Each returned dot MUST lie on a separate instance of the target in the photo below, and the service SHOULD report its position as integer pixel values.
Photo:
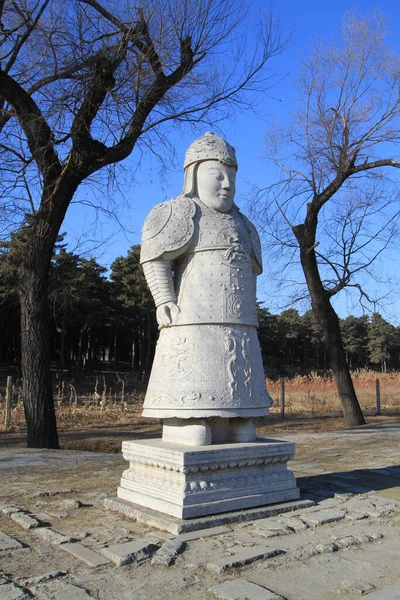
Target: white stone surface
(371, 505)
(240, 589)
(195, 432)
(88, 556)
(8, 543)
(322, 517)
(10, 591)
(269, 528)
(203, 533)
(201, 257)
(24, 520)
(10, 509)
(123, 554)
(29, 581)
(389, 593)
(166, 522)
(166, 555)
(60, 590)
(51, 536)
(244, 558)
(188, 482)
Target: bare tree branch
(341, 140)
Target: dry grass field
(317, 395)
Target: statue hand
(166, 314)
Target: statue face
(216, 184)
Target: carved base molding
(188, 482)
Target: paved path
(58, 542)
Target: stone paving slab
(58, 492)
(335, 502)
(45, 550)
(166, 555)
(51, 536)
(123, 554)
(174, 525)
(8, 543)
(360, 588)
(322, 517)
(60, 590)
(9, 509)
(244, 558)
(294, 523)
(240, 589)
(338, 543)
(373, 506)
(88, 556)
(273, 530)
(24, 520)
(389, 593)
(26, 582)
(9, 591)
(203, 533)
(43, 517)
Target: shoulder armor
(167, 228)
(255, 245)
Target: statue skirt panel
(207, 371)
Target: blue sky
(304, 20)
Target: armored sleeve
(158, 275)
(168, 229)
(255, 246)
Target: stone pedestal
(188, 482)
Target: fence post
(378, 397)
(282, 397)
(8, 401)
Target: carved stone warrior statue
(201, 257)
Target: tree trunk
(32, 250)
(133, 356)
(62, 347)
(37, 390)
(115, 347)
(329, 322)
(80, 344)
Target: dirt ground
(66, 488)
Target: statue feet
(242, 430)
(192, 432)
(202, 432)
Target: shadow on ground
(359, 481)
(95, 439)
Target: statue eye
(215, 173)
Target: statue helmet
(210, 146)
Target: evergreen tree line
(102, 322)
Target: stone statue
(201, 257)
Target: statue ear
(190, 181)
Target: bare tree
(333, 204)
(82, 85)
